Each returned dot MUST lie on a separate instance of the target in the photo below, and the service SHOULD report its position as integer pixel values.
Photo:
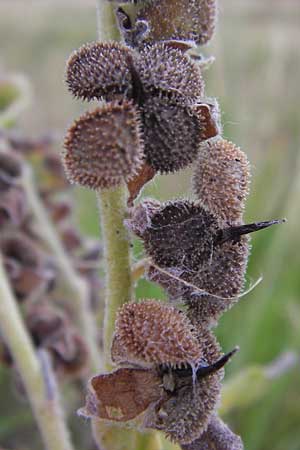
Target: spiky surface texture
(151, 332)
(99, 69)
(181, 235)
(180, 19)
(222, 276)
(104, 147)
(185, 415)
(172, 132)
(221, 179)
(217, 437)
(168, 69)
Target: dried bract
(180, 19)
(99, 69)
(122, 395)
(221, 179)
(104, 147)
(153, 333)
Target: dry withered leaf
(122, 395)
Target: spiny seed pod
(99, 69)
(221, 179)
(150, 333)
(223, 277)
(186, 414)
(180, 19)
(185, 223)
(172, 132)
(104, 147)
(217, 437)
(163, 68)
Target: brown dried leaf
(122, 395)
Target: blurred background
(256, 79)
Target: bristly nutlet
(186, 413)
(221, 179)
(217, 437)
(164, 84)
(178, 401)
(104, 147)
(150, 332)
(207, 269)
(193, 20)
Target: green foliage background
(256, 79)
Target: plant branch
(117, 260)
(77, 285)
(46, 409)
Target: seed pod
(180, 19)
(13, 207)
(104, 147)
(10, 170)
(166, 69)
(181, 222)
(27, 267)
(185, 415)
(221, 179)
(150, 333)
(223, 277)
(51, 330)
(217, 437)
(172, 131)
(99, 69)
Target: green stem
(117, 260)
(77, 285)
(46, 408)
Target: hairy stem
(77, 285)
(112, 205)
(43, 399)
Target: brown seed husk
(221, 179)
(218, 436)
(213, 288)
(99, 69)
(180, 19)
(167, 69)
(151, 332)
(186, 413)
(104, 147)
(172, 132)
(181, 235)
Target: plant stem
(77, 284)
(46, 408)
(117, 260)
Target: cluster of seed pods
(30, 265)
(156, 118)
